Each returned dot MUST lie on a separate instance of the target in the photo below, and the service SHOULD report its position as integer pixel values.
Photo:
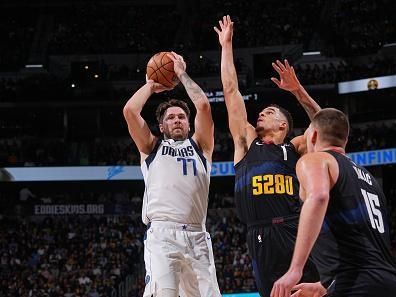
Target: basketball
(160, 70)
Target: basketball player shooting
(176, 169)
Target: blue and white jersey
(177, 177)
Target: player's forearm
(138, 100)
(306, 101)
(194, 91)
(309, 226)
(229, 77)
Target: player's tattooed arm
(204, 126)
(194, 91)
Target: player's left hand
(309, 290)
(179, 66)
(226, 30)
(283, 286)
(288, 78)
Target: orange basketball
(160, 70)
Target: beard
(177, 137)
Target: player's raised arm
(137, 126)
(241, 130)
(288, 81)
(204, 127)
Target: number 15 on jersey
(374, 211)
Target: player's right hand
(225, 31)
(283, 286)
(156, 87)
(288, 78)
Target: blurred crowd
(36, 151)
(374, 136)
(347, 30)
(56, 152)
(68, 257)
(17, 30)
(329, 73)
(46, 87)
(96, 28)
(361, 27)
(88, 256)
(260, 23)
(341, 28)
(93, 28)
(233, 263)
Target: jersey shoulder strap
(153, 153)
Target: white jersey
(177, 176)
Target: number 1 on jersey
(184, 163)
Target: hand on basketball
(225, 31)
(288, 78)
(283, 286)
(156, 87)
(179, 65)
(309, 290)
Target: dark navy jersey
(266, 185)
(357, 218)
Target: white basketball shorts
(179, 257)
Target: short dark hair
(288, 116)
(333, 126)
(161, 109)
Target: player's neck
(170, 138)
(334, 148)
(272, 138)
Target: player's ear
(161, 127)
(283, 125)
(314, 137)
